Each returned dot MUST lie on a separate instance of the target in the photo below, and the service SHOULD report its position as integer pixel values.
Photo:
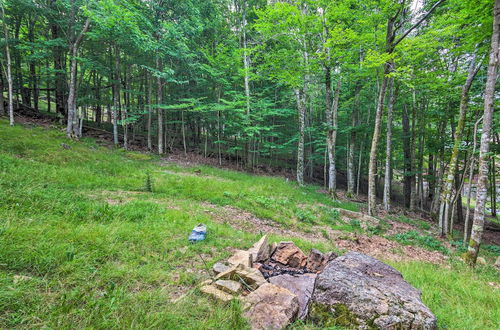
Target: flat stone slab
(219, 267)
(216, 293)
(228, 286)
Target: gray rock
(368, 293)
(219, 267)
(270, 307)
(300, 285)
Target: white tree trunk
(301, 107)
(9, 69)
(482, 183)
(388, 149)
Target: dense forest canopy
(393, 98)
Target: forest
(389, 104)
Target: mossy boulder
(356, 290)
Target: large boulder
(300, 285)
(270, 307)
(356, 290)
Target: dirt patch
(383, 248)
(248, 222)
(374, 246)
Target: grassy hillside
(83, 244)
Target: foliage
(425, 241)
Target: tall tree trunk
(407, 187)
(159, 99)
(447, 194)
(301, 107)
(372, 167)
(72, 128)
(331, 134)
(246, 66)
(352, 142)
(33, 76)
(126, 99)
(472, 166)
(59, 69)
(388, 149)
(413, 193)
(489, 98)
(150, 110)
(9, 69)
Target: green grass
(83, 244)
(413, 237)
(461, 298)
(421, 224)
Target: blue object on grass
(198, 234)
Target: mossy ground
(83, 244)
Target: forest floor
(83, 244)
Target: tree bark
(9, 69)
(372, 167)
(331, 134)
(159, 99)
(150, 110)
(301, 107)
(471, 177)
(388, 148)
(489, 98)
(447, 194)
(73, 127)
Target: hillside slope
(84, 244)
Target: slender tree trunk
(447, 194)
(331, 134)
(9, 69)
(150, 110)
(413, 193)
(246, 65)
(183, 128)
(489, 98)
(352, 143)
(73, 127)
(471, 177)
(2, 101)
(159, 99)
(372, 167)
(32, 66)
(388, 149)
(407, 187)
(116, 95)
(126, 100)
(301, 107)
